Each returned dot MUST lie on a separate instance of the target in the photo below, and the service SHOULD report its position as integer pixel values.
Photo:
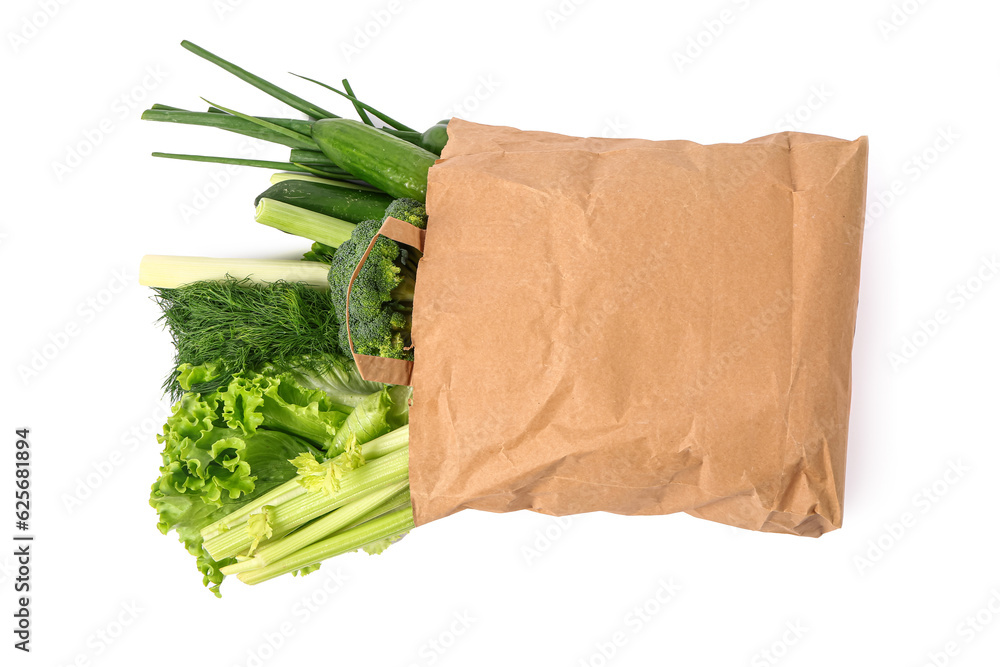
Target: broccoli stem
(404, 290)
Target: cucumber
(435, 137)
(313, 159)
(344, 203)
(389, 163)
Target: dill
(245, 326)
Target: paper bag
(637, 327)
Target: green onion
(292, 100)
(375, 112)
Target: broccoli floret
(382, 297)
(408, 210)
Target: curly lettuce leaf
(336, 376)
(280, 403)
(376, 415)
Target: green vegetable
(235, 124)
(303, 222)
(338, 202)
(244, 326)
(391, 164)
(281, 177)
(240, 471)
(435, 137)
(211, 465)
(382, 296)
(288, 98)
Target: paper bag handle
(382, 369)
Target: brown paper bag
(637, 327)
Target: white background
(532, 590)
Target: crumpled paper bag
(637, 327)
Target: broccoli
(382, 297)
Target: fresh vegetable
(391, 164)
(211, 461)
(382, 295)
(337, 202)
(292, 446)
(303, 222)
(435, 137)
(244, 326)
(278, 454)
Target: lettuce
(230, 446)
(226, 448)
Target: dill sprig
(245, 326)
